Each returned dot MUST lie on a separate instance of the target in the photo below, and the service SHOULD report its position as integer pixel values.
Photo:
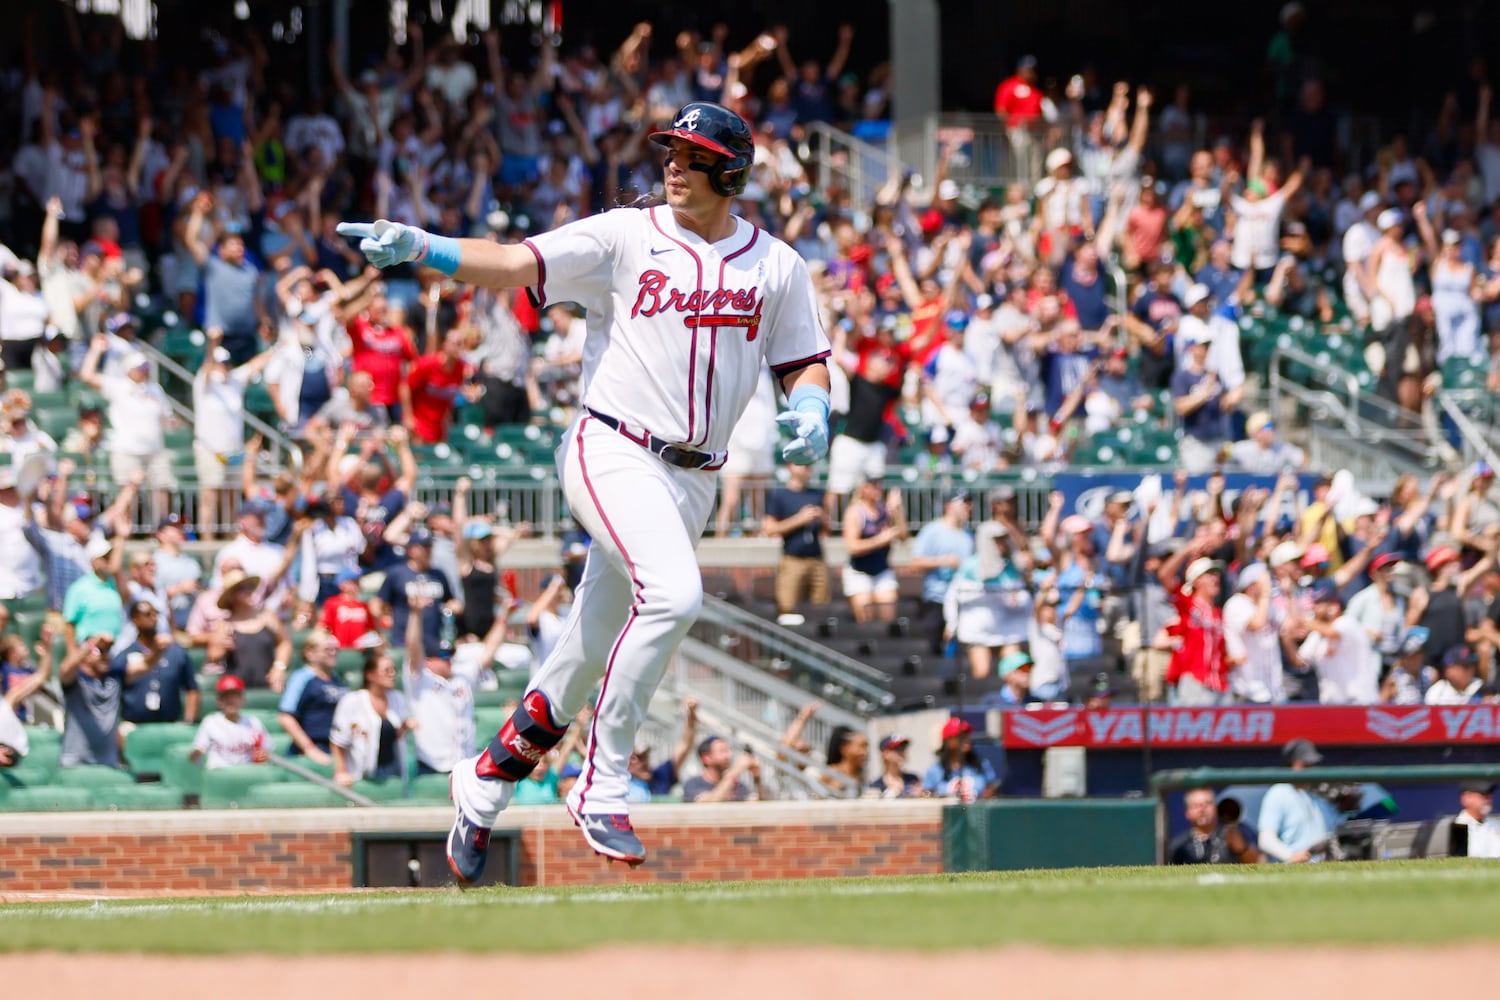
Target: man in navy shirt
(168, 690)
(1067, 363)
(415, 577)
(1201, 402)
(795, 514)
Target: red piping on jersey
(635, 610)
(539, 296)
(693, 344)
(792, 366)
(713, 342)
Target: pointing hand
(811, 436)
(385, 243)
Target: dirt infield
(755, 974)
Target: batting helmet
(716, 128)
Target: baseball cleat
(468, 847)
(611, 836)
(477, 804)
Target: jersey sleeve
(797, 338)
(576, 262)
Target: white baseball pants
(640, 593)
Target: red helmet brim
(663, 138)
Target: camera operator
(1294, 825)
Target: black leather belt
(672, 454)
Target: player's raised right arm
(477, 262)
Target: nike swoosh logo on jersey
(655, 251)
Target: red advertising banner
(1248, 726)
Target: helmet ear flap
(729, 177)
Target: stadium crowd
(973, 331)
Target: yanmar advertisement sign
(1249, 726)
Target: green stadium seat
(92, 776)
(512, 684)
(261, 698)
(427, 789)
(31, 602)
(146, 746)
(351, 661)
(291, 795)
(137, 798)
(487, 721)
(491, 699)
(180, 773)
(37, 769)
(20, 378)
(230, 787)
(387, 791)
(47, 798)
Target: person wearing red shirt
(435, 382)
(382, 347)
(1018, 102)
(344, 614)
(1199, 669)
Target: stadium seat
(146, 746)
(489, 720)
(390, 790)
(427, 789)
(290, 795)
(230, 787)
(47, 798)
(261, 698)
(137, 798)
(180, 773)
(92, 776)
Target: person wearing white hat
(92, 606)
(1192, 326)
(1393, 294)
(1252, 639)
(219, 428)
(1359, 242)
(1201, 400)
(1199, 670)
(1455, 285)
(139, 415)
(1261, 454)
(1063, 198)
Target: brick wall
(302, 850)
(694, 853)
(179, 862)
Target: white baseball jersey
(677, 326)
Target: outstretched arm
(476, 262)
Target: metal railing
(844, 162)
(986, 153)
(279, 449)
(840, 681)
(1346, 419)
(1477, 444)
(751, 708)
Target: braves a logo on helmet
(1396, 727)
(1042, 732)
(689, 120)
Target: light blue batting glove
(808, 421)
(385, 243)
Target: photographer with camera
(1294, 822)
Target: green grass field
(1409, 903)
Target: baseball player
(684, 302)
